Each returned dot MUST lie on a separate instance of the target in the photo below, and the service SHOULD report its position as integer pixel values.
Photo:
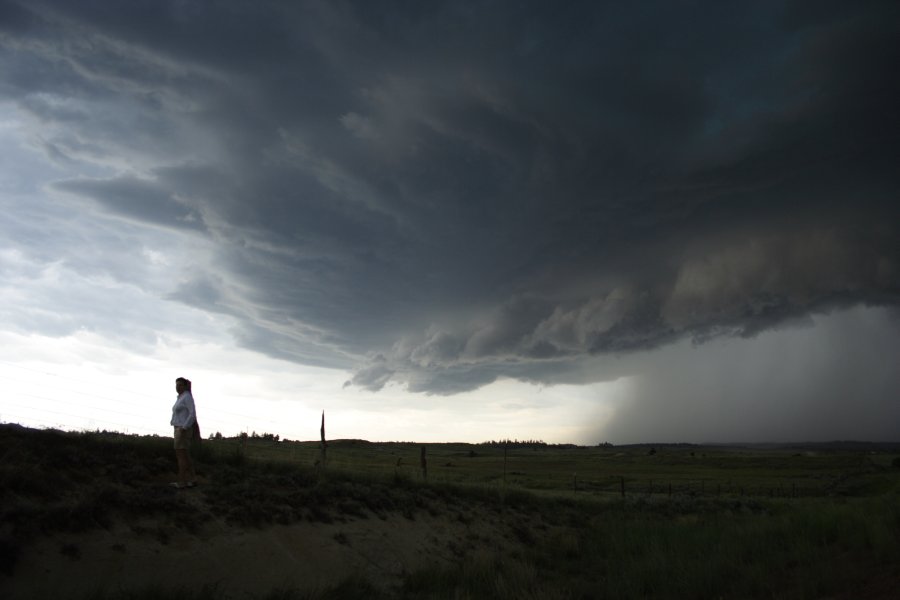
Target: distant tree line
(524, 444)
(515, 443)
(270, 437)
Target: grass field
(794, 521)
(810, 470)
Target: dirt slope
(86, 514)
(245, 561)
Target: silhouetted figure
(184, 419)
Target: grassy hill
(91, 515)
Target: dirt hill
(94, 514)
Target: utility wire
(118, 401)
(210, 414)
(82, 417)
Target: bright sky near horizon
(453, 221)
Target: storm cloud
(446, 194)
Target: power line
(82, 417)
(206, 409)
(206, 419)
(57, 375)
(209, 414)
(40, 384)
(94, 383)
(21, 419)
(109, 410)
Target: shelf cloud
(445, 195)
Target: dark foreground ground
(91, 516)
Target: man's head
(182, 384)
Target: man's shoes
(181, 486)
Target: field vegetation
(540, 521)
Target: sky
(453, 221)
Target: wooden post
(623, 486)
(323, 445)
(424, 465)
(505, 444)
(574, 483)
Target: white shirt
(183, 413)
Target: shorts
(183, 438)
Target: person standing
(184, 417)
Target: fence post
(323, 445)
(424, 465)
(505, 445)
(623, 486)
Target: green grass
(739, 523)
(598, 472)
(775, 551)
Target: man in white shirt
(184, 415)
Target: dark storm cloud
(451, 193)
(135, 199)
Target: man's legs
(185, 467)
